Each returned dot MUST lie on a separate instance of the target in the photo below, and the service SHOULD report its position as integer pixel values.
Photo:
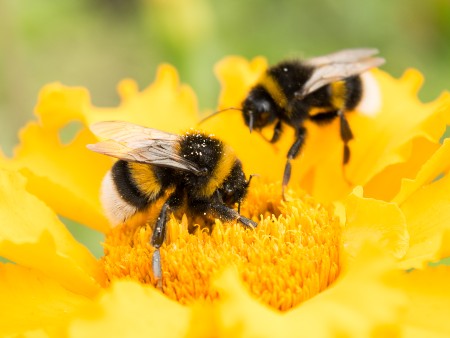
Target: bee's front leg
(220, 211)
(293, 153)
(158, 236)
(276, 132)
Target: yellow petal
(386, 184)
(36, 334)
(66, 177)
(360, 304)
(240, 315)
(30, 301)
(437, 164)
(129, 309)
(427, 213)
(401, 119)
(428, 308)
(445, 245)
(33, 236)
(374, 220)
(236, 75)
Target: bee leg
(276, 132)
(345, 131)
(158, 236)
(324, 117)
(292, 153)
(220, 211)
(246, 184)
(346, 136)
(247, 222)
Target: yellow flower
(324, 263)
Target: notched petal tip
(58, 105)
(127, 88)
(413, 80)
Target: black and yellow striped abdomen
(136, 183)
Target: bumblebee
(193, 170)
(319, 90)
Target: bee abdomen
(120, 195)
(126, 185)
(353, 92)
(117, 210)
(370, 102)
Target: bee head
(234, 188)
(258, 109)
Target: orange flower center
(291, 256)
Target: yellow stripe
(221, 171)
(145, 179)
(274, 89)
(316, 111)
(338, 94)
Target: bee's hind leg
(346, 136)
(344, 131)
(276, 132)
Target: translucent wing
(134, 143)
(337, 66)
(129, 133)
(342, 56)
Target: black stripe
(126, 187)
(354, 92)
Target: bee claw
(156, 267)
(247, 222)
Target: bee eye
(263, 118)
(264, 107)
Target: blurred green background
(96, 43)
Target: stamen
(291, 256)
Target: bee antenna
(246, 185)
(218, 112)
(250, 121)
(250, 178)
